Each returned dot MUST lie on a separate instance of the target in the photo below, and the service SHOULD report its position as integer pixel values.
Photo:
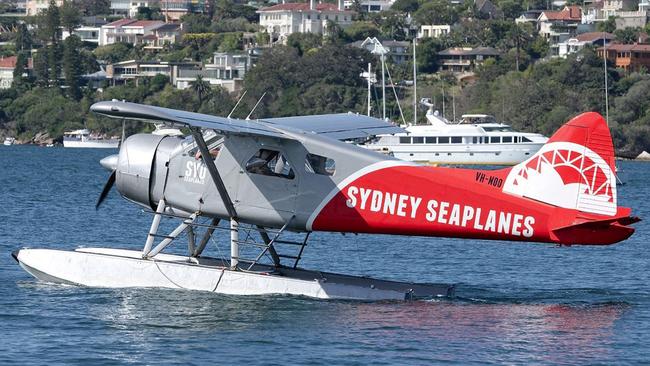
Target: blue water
(516, 303)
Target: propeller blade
(107, 188)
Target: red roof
(144, 23)
(8, 62)
(302, 7)
(593, 36)
(120, 22)
(627, 47)
(568, 13)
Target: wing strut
(218, 182)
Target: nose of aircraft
(110, 162)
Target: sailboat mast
(606, 88)
(415, 86)
(368, 89)
(383, 84)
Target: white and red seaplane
(283, 177)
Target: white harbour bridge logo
(567, 175)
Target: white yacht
(83, 138)
(477, 139)
(9, 141)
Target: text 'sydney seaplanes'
(441, 212)
(275, 181)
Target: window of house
(320, 164)
(270, 163)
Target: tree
(201, 88)
(358, 31)
(93, 7)
(608, 25)
(54, 63)
(427, 50)
(49, 21)
(406, 6)
(23, 39)
(70, 16)
(231, 42)
(436, 12)
(72, 66)
(41, 68)
(518, 37)
(304, 42)
(627, 35)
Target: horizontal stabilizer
(598, 232)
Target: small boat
(9, 141)
(83, 138)
(478, 139)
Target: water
(516, 303)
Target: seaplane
(271, 183)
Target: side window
(270, 162)
(319, 164)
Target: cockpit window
(271, 163)
(320, 164)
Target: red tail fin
(574, 169)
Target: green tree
(436, 12)
(48, 23)
(23, 38)
(201, 88)
(627, 35)
(70, 15)
(112, 53)
(41, 68)
(72, 66)
(54, 52)
(427, 50)
(406, 6)
(304, 42)
(231, 42)
(361, 30)
(608, 25)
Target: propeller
(107, 188)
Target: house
(529, 16)
(129, 8)
(629, 57)
(612, 7)
(578, 42)
(33, 7)
(463, 59)
(433, 31)
(121, 72)
(370, 6)
(559, 26)
(166, 34)
(281, 20)
(397, 51)
(227, 71)
(631, 19)
(7, 66)
(127, 30)
(86, 34)
(173, 10)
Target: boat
(9, 141)
(83, 138)
(478, 139)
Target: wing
(344, 126)
(117, 109)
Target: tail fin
(574, 169)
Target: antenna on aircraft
(255, 107)
(239, 101)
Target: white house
(127, 30)
(7, 66)
(227, 70)
(87, 34)
(575, 44)
(433, 31)
(370, 6)
(281, 20)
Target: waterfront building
(575, 44)
(462, 60)
(127, 30)
(629, 57)
(370, 6)
(433, 31)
